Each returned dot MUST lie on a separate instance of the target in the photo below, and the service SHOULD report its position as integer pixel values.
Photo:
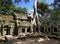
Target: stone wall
(14, 25)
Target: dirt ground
(31, 41)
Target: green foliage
(7, 6)
(21, 10)
(42, 7)
(56, 13)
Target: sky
(29, 5)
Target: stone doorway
(55, 29)
(48, 29)
(23, 30)
(42, 29)
(29, 30)
(7, 30)
(37, 29)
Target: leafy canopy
(7, 6)
(42, 7)
(56, 13)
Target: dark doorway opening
(42, 29)
(7, 29)
(36, 29)
(23, 30)
(15, 31)
(48, 29)
(55, 29)
(29, 29)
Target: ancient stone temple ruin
(15, 24)
(6, 25)
(23, 23)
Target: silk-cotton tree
(36, 18)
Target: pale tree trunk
(35, 7)
(36, 16)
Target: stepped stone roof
(21, 16)
(6, 20)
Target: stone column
(0, 30)
(59, 28)
(26, 30)
(4, 32)
(51, 29)
(0, 33)
(47, 29)
(31, 29)
(11, 30)
(44, 28)
(19, 30)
